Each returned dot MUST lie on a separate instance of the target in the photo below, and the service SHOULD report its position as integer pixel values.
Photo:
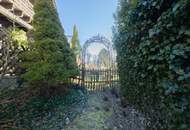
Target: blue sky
(90, 16)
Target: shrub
(12, 43)
(153, 45)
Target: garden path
(105, 112)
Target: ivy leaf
(176, 7)
(187, 32)
(144, 3)
(184, 126)
(143, 75)
(154, 32)
(179, 71)
(154, 3)
(172, 56)
(184, 77)
(181, 78)
(170, 88)
(178, 52)
(150, 67)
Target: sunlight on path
(103, 112)
(93, 117)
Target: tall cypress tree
(75, 43)
(51, 61)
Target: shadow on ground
(105, 112)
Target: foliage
(51, 60)
(20, 37)
(20, 110)
(12, 43)
(75, 45)
(104, 58)
(153, 45)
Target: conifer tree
(51, 61)
(75, 44)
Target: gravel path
(104, 112)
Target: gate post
(83, 67)
(83, 74)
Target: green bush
(38, 111)
(153, 45)
(50, 61)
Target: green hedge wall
(152, 39)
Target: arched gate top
(97, 39)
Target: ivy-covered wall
(153, 45)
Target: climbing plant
(152, 39)
(51, 60)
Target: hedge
(152, 39)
